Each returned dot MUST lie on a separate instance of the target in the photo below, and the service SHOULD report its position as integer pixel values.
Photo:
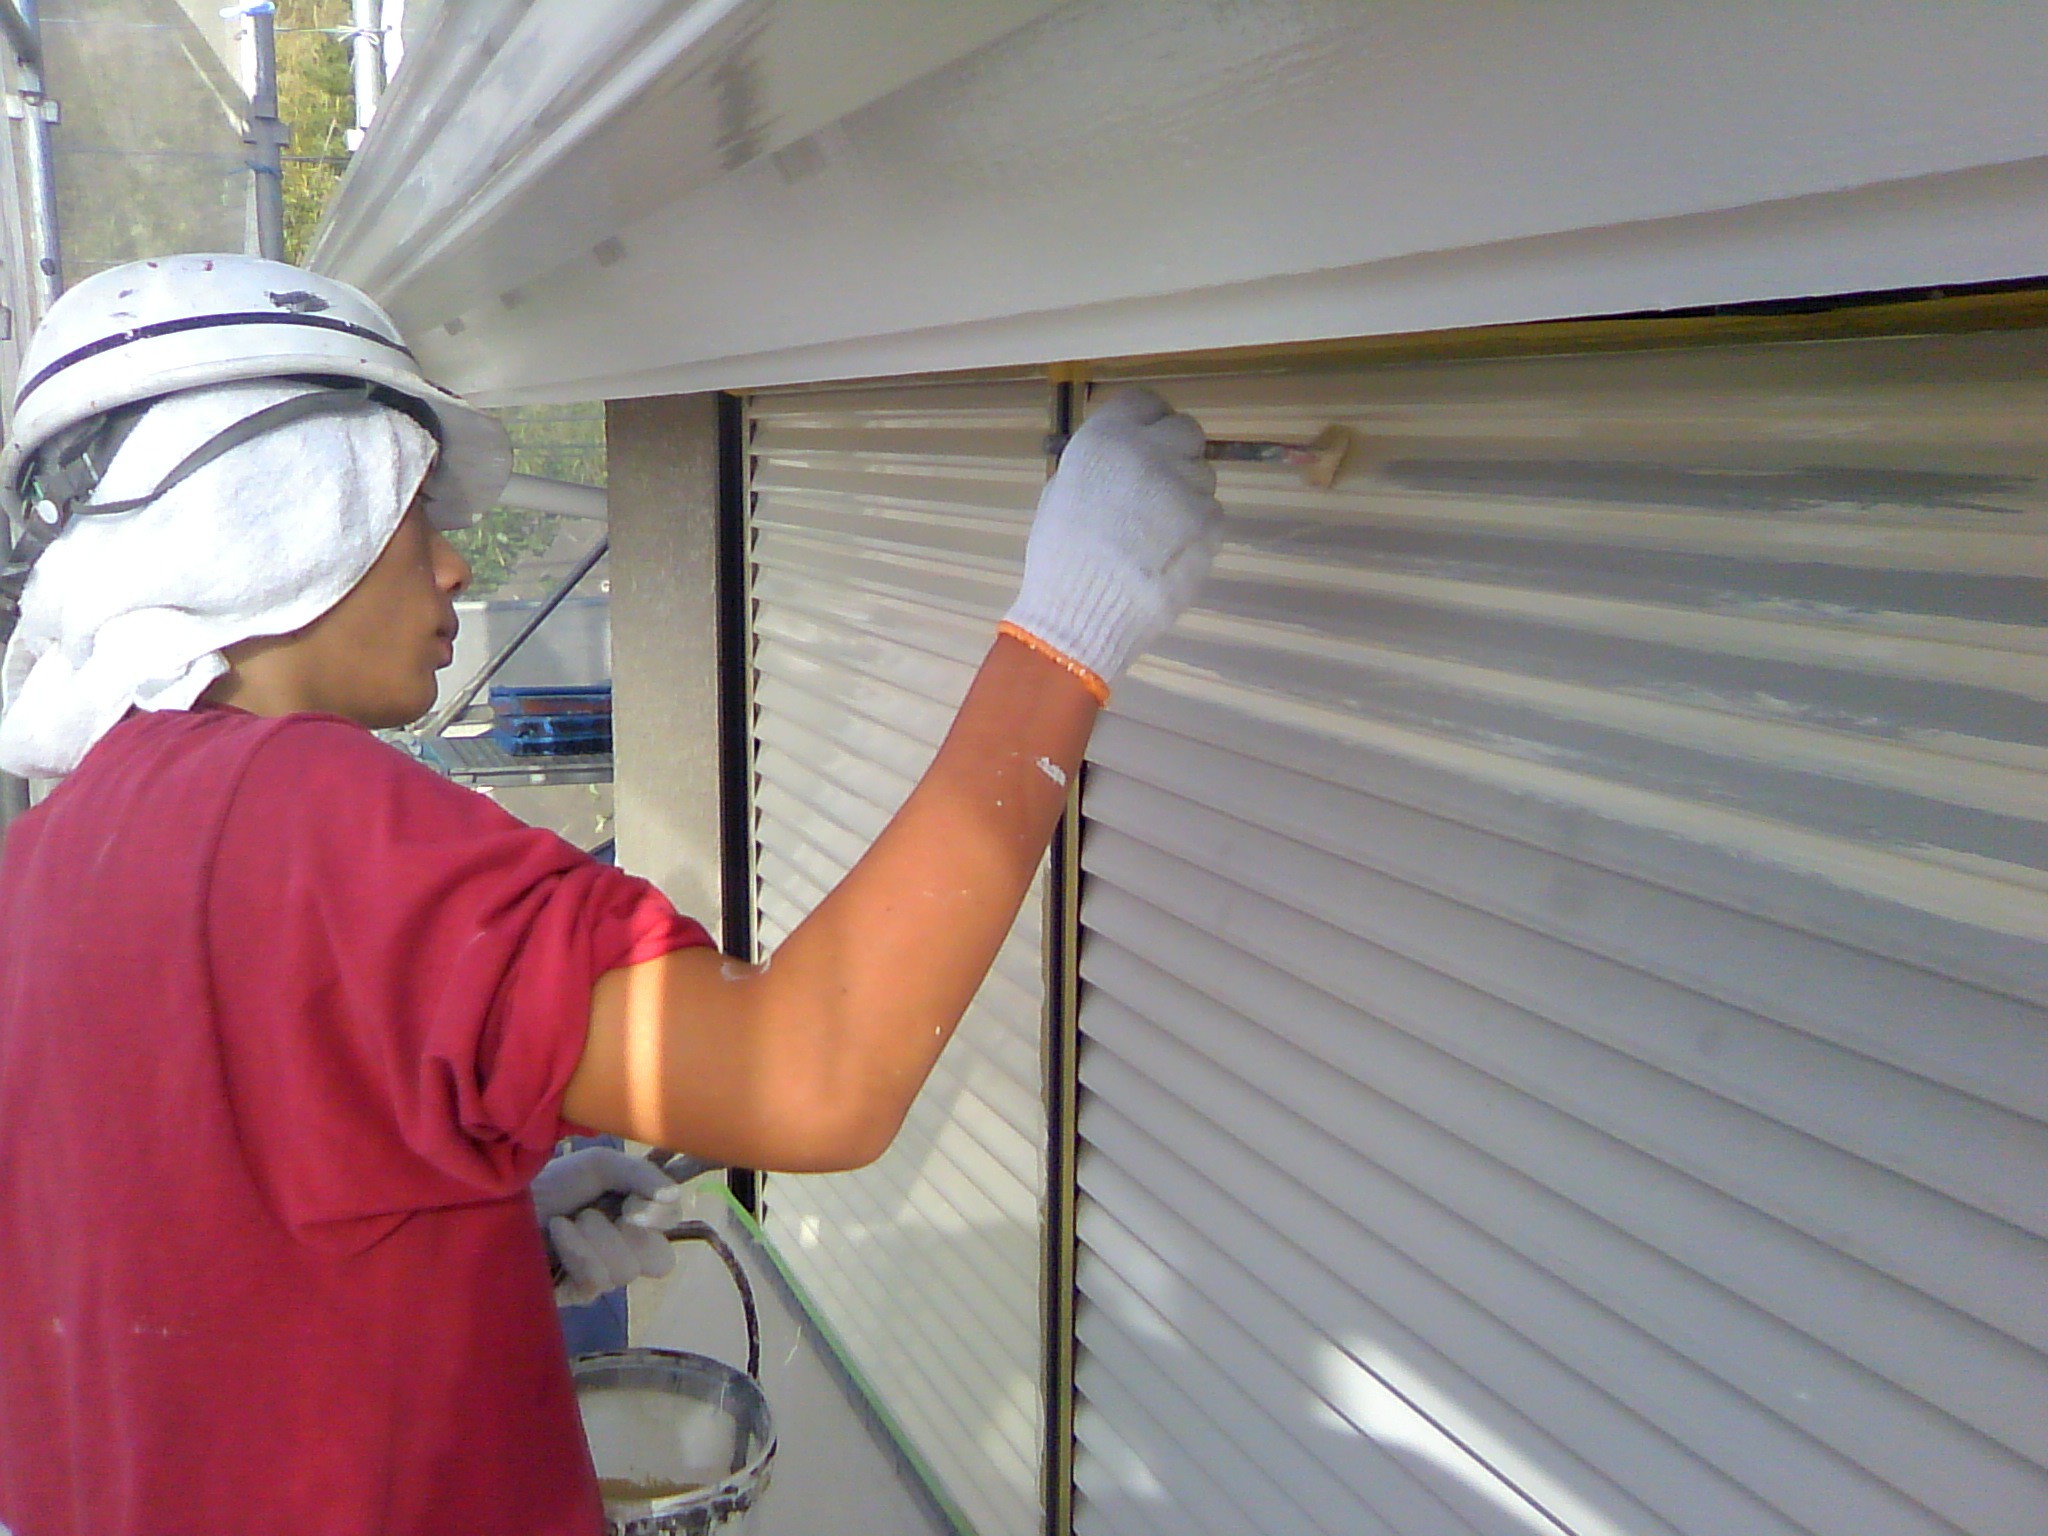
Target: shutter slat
(1565, 947)
(1237, 1490)
(1985, 1044)
(1588, 1271)
(1291, 1034)
(1121, 1496)
(1331, 1471)
(887, 533)
(1976, 1162)
(1436, 1320)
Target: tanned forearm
(812, 1059)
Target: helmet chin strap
(70, 470)
(56, 492)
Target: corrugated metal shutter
(888, 536)
(1565, 1028)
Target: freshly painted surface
(1564, 980)
(574, 202)
(1896, 487)
(888, 537)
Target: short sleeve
(402, 974)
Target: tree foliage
(555, 442)
(316, 100)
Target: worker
(289, 1024)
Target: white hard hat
(147, 329)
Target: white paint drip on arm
(1053, 771)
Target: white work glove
(1124, 535)
(596, 1252)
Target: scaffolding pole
(265, 135)
(21, 36)
(32, 105)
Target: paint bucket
(682, 1443)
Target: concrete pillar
(663, 485)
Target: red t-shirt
(285, 1022)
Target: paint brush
(1318, 459)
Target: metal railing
(463, 697)
(535, 494)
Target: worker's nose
(451, 572)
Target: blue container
(553, 722)
(581, 699)
(547, 736)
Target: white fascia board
(1132, 176)
(1968, 227)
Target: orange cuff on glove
(1087, 679)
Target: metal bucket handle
(683, 1167)
(704, 1232)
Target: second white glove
(596, 1252)
(599, 1255)
(574, 1179)
(1124, 534)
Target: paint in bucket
(682, 1443)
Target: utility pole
(264, 134)
(366, 54)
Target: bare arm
(811, 1062)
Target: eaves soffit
(522, 134)
(566, 201)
